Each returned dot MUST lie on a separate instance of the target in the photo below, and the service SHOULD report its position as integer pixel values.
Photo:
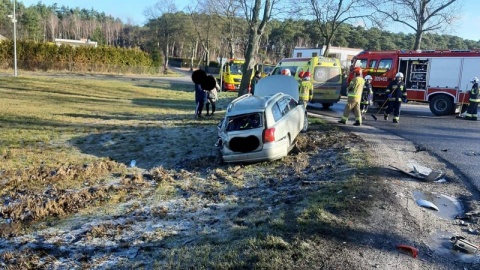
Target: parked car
(263, 126)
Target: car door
(288, 123)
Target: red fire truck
(438, 77)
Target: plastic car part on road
(407, 248)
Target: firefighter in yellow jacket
(305, 94)
(354, 92)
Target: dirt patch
(331, 204)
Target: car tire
(305, 123)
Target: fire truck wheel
(441, 105)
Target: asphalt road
(454, 140)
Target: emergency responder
(366, 96)
(396, 93)
(255, 79)
(474, 100)
(300, 76)
(286, 72)
(305, 89)
(354, 93)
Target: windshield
(236, 68)
(267, 69)
(278, 70)
(327, 74)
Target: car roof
(277, 84)
(247, 104)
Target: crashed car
(263, 126)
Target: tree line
(207, 33)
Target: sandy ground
(399, 220)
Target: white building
(343, 53)
(74, 43)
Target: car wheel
(305, 123)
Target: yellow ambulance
(325, 74)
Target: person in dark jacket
(474, 100)
(396, 93)
(255, 79)
(200, 97)
(367, 95)
(198, 76)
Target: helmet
(286, 72)
(474, 79)
(399, 75)
(306, 76)
(301, 74)
(368, 77)
(357, 70)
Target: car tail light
(269, 135)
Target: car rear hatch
(243, 133)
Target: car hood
(277, 84)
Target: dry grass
(66, 147)
(65, 138)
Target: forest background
(186, 38)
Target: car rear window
(327, 74)
(245, 121)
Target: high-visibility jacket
(474, 93)
(305, 92)
(355, 88)
(397, 90)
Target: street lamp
(14, 20)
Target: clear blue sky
(468, 27)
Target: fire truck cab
(438, 77)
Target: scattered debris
(427, 204)
(408, 248)
(432, 176)
(419, 148)
(471, 153)
(463, 245)
(469, 215)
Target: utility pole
(14, 20)
(14, 40)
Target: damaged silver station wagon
(263, 126)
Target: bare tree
(257, 14)
(203, 24)
(227, 12)
(53, 25)
(162, 24)
(330, 14)
(419, 15)
(76, 25)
